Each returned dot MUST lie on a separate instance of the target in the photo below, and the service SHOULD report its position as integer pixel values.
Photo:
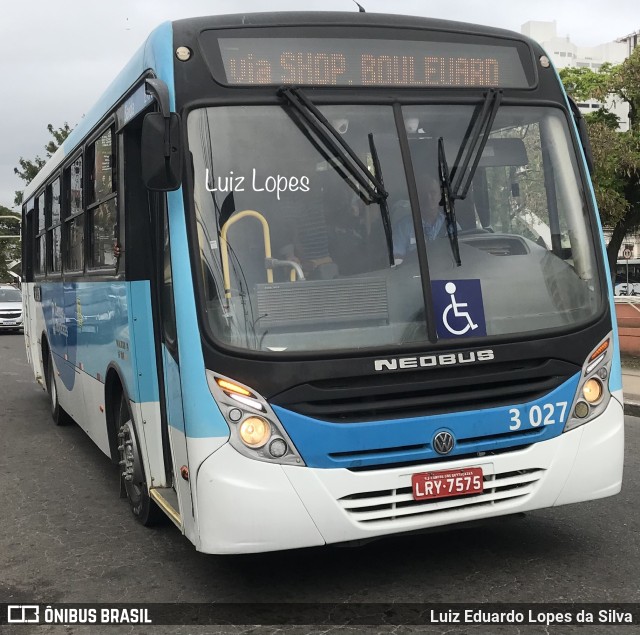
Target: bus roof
(341, 18)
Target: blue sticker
(459, 308)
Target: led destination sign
(370, 62)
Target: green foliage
(616, 174)
(604, 117)
(28, 169)
(583, 83)
(59, 135)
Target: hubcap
(130, 462)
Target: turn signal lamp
(229, 386)
(597, 356)
(255, 432)
(592, 390)
(601, 349)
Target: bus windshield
(294, 256)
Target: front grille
(10, 315)
(398, 504)
(507, 441)
(427, 392)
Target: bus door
(151, 316)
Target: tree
(9, 247)
(28, 169)
(616, 154)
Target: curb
(632, 408)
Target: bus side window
(54, 261)
(73, 214)
(102, 212)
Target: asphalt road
(65, 536)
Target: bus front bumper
(247, 506)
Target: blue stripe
(95, 324)
(330, 445)
(201, 414)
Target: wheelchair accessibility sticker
(459, 308)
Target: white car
(10, 308)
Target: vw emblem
(443, 442)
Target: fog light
(592, 390)
(277, 448)
(255, 432)
(581, 410)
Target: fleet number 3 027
(545, 415)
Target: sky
(57, 57)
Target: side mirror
(161, 150)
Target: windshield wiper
(371, 188)
(455, 186)
(384, 207)
(447, 201)
(472, 146)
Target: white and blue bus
(239, 281)
(627, 280)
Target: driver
(434, 223)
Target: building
(630, 41)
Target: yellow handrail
(224, 248)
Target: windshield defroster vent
(313, 302)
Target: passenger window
(74, 217)
(102, 213)
(54, 233)
(41, 237)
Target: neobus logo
(429, 361)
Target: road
(65, 536)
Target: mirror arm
(158, 89)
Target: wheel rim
(130, 463)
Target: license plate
(8, 322)
(447, 483)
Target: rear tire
(132, 476)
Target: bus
(238, 281)
(627, 277)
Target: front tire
(132, 476)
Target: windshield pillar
(421, 244)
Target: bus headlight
(255, 430)
(592, 390)
(592, 396)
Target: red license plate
(447, 483)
